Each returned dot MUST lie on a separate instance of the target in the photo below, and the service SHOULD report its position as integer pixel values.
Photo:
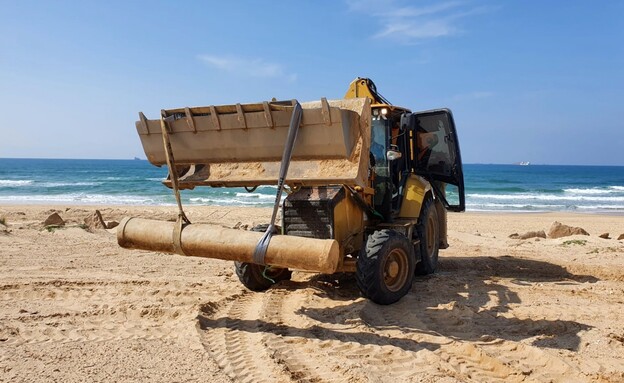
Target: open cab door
(435, 154)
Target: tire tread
(368, 269)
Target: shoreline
(501, 223)
(44, 205)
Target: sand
(75, 307)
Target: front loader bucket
(242, 144)
(211, 241)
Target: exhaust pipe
(212, 241)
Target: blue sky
(538, 81)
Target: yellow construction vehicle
(368, 186)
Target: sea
(489, 188)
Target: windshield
(380, 165)
(378, 147)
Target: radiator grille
(309, 212)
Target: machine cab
(422, 143)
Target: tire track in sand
(233, 335)
(345, 353)
(492, 360)
(63, 311)
(269, 337)
(297, 333)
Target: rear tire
(428, 230)
(385, 267)
(258, 277)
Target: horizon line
(145, 159)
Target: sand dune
(76, 307)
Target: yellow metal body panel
(348, 231)
(359, 89)
(348, 225)
(416, 188)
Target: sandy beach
(76, 307)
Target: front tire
(385, 267)
(428, 230)
(258, 277)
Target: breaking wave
(15, 183)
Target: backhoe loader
(368, 186)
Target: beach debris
(240, 226)
(75, 210)
(604, 236)
(95, 221)
(621, 236)
(579, 242)
(529, 234)
(3, 227)
(54, 219)
(619, 338)
(111, 224)
(558, 230)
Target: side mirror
(392, 155)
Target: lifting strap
(182, 220)
(295, 121)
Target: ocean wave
(227, 201)
(63, 184)
(515, 206)
(15, 183)
(601, 207)
(593, 191)
(256, 195)
(486, 210)
(546, 197)
(519, 208)
(86, 199)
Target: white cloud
(409, 31)
(412, 24)
(248, 67)
(422, 11)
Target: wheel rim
(431, 236)
(395, 270)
